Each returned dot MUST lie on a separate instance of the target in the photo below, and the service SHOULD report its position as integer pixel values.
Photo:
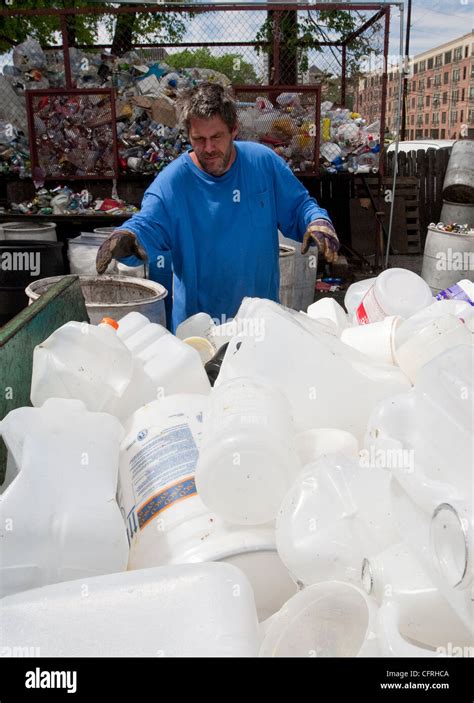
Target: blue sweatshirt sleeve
(151, 226)
(295, 207)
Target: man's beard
(219, 166)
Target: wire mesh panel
(147, 53)
(286, 119)
(72, 133)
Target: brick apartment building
(440, 101)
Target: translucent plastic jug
(335, 512)
(433, 501)
(417, 342)
(396, 575)
(248, 457)
(394, 292)
(167, 523)
(82, 361)
(192, 610)
(329, 309)
(355, 293)
(330, 619)
(327, 383)
(59, 516)
(163, 364)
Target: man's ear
(234, 131)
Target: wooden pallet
(406, 224)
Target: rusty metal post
(67, 61)
(343, 69)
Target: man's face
(212, 142)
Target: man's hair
(204, 101)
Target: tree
(299, 32)
(231, 65)
(124, 29)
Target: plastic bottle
(463, 290)
(60, 496)
(248, 458)
(394, 292)
(87, 362)
(336, 512)
(397, 576)
(185, 610)
(355, 293)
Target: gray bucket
(113, 296)
(462, 213)
(305, 274)
(37, 231)
(458, 186)
(287, 275)
(448, 258)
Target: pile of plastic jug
(282, 484)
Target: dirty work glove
(120, 244)
(323, 234)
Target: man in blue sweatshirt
(217, 209)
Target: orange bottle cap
(109, 321)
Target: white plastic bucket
(38, 231)
(329, 619)
(395, 292)
(376, 340)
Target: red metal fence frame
(30, 94)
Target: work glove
(119, 245)
(323, 234)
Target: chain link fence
(147, 54)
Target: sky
(434, 22)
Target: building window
(458, 53)
(427, 118)
(412, 119)
(413, 103)
(445, 78)
(430, 64)
(448, 56)
(462, 115)
(443, 134)
(454, 116)
(471, 92)
(427, 101)
(454, 96)
(415, 68)
(420, 101)
(438, 60)
(464, 73)
(466, 52)
(443, 117)
(463, 94)
(421, 84)
(436, 100)
(445, 98)
(471, 117)
(437, 80)
(422, 66)
(435, 118)
(472, 70)
(428, 82)
(456, 74)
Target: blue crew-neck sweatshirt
(222, 231)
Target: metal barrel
(462, 213)
(458, 186)
(287, 275)
(448, 258)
